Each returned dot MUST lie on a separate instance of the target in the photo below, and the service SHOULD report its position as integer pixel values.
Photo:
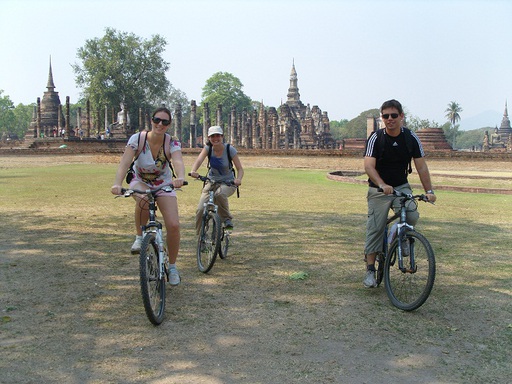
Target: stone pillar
(232, 126)
(177, 122)
(87, 117)
(371, 125)
(206, 122)
(243, 129)
(254, 130)
(218, 117)
(68, 111)
(78, 121)
(193, 126)
(274, 121)
(38, 121)
(59, 119)
(105, 127)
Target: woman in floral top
(151, 152)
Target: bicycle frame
(402, 228)
(153, 225)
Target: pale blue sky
(350, 55)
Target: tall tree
(225, 89)
(122, 67)
(7, 116)
(453, 115)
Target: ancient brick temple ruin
(47, 117)
(292, 126)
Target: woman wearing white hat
(220, 156)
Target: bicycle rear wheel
(152, 286)
(224, 244)
(409, 289)
(208, 243)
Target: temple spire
(293, 91)
(50, 85)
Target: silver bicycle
(153, 258)
(213, 236)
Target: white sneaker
(174, 276)
(136, 245)
(369, 280)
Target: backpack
(230, 160)
(408, 143)
(130, 173)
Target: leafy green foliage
(473, 138)
(223, 88)
(7, 116)
(356, 128)
(14, 121)
(122, 67)
(337, 128)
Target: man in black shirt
(387, 158)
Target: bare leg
(168, 206)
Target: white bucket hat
(216, 129)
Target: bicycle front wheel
(152, 282)
(410, 287)
(224, 244)
(208, 243)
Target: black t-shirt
(393, 162)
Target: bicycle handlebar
(408, 196)
(166, 188)
(206, 178)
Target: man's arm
(371, 171)
(424, 174)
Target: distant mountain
(484, 119)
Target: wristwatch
(430, 192)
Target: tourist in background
(387, 164)
(151, 169)
(220, 170)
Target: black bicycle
(213, 236)
(153, 258)
(407, 264)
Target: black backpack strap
(409, 145)
(232, 168)
(168, 158)
(209, 155)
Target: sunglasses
(393, 115)
(158, 120)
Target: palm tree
(453, 116)
(452, 112)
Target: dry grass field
(71, 310)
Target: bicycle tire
(208, 242)
(151, 284)
(409, 290)
(224, 244)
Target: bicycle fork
(402, 229)
(163, 261)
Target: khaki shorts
(379, 205)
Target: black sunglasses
(393, 116)
(158, 120)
